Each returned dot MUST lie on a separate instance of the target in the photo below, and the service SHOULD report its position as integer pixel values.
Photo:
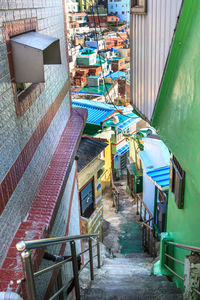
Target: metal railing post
(28, 275)
(91, 259)
(137, 212)
(98, 255)
(140, 210)
(143, 238)
(75, 269)
(60, 284)
(145, 212)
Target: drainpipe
(155, 212)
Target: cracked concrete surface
(122, 232)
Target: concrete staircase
(130, 278)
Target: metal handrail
(175, 259)
(25, 246)
(185, 247)
(196, 291)
(29, 245)
(145, 224)
(181, 246)
(173, 272)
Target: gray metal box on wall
(30, 52)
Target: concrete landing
(122, 232)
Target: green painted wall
(177, 119)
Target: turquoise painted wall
(177, 119)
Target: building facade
(38, 177)
(169, 100)
(119, 8)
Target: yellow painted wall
(94, 224)
(106, 176)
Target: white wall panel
(151, 38)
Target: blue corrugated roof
(97, 111)
(128, 122)
(116, 75)
(160, 177)
(123, 149)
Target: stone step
(132, 280)
(147, 296)
(130, 293)
(142, 255)
(128, 261)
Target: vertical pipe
(91, 259)
(155, 205)
(59, 283)
(75, 269)
(28, 275)
(98, 255)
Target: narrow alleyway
(122, 231)
(126, 271)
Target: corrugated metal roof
(88, 150)
(97, 90)
(116, 75)
(123, 149)
(97, 111)
(160, 177)
(124, 121)
(128, 122)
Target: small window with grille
(139, 7)
(177, 181)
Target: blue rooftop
(116, 75)
(133, 118)
(123, 149)
(160, 177)
(97, 111)
(87, 49)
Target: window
(177, 182)
(99, 173)
(111, 6)
(139, 6)
(87, 199)
(116, 5)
